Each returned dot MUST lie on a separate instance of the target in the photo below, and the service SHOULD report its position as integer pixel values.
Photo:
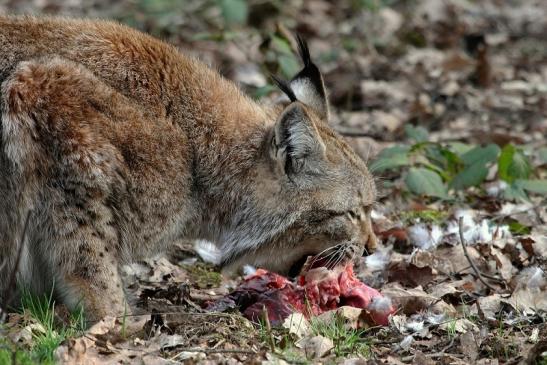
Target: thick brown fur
(118, 145)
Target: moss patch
(203, 275)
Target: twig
(449, 345)
(492, 277)
(442, 353)
(220, 351)
(473, 266)
(432, 355)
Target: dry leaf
(297, 325)
(315, 347)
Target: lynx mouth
(329, 258)
(297, 267)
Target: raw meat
(316, 291)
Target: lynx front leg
(91, 280)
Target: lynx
(114, 145)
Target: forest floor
(447, 102)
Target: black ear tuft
(303, 50)
(285, 87)
(308, 84)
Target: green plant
(10, 355)
(346, 340)
(426, 216)
(451, 328)
(281, 54)
(435, 169)
(49, 334)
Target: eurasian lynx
(116, 145)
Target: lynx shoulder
(114, 145)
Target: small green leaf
(537, 186)
(234, 11)
(288, 64)
(483, 155)
(390, 158)
(418, 134)
(388, 163)
(472, 175)
(422, 181)
(515, 192)
(475, 169)
(433, 152)
(504, 161)
(453, 161)
(459, 148)
(513, 164)
(420, 146)
(281, 45)
(421, 160)
(520, 166)
(517, 228)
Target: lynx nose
(371, 242)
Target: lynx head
(310, 193)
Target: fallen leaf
(315, 347)
(489, 307)
(469, 345)
(297, 324)
(529, 301)
(459, 325)
(447, 288)
(414, 300)
(503, 264)
(409, 274)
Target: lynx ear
(296, 143)
(308, 84)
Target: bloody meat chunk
(316, 291)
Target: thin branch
(492, 277)
(214, 351)
(473, 266)
(220, 351)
